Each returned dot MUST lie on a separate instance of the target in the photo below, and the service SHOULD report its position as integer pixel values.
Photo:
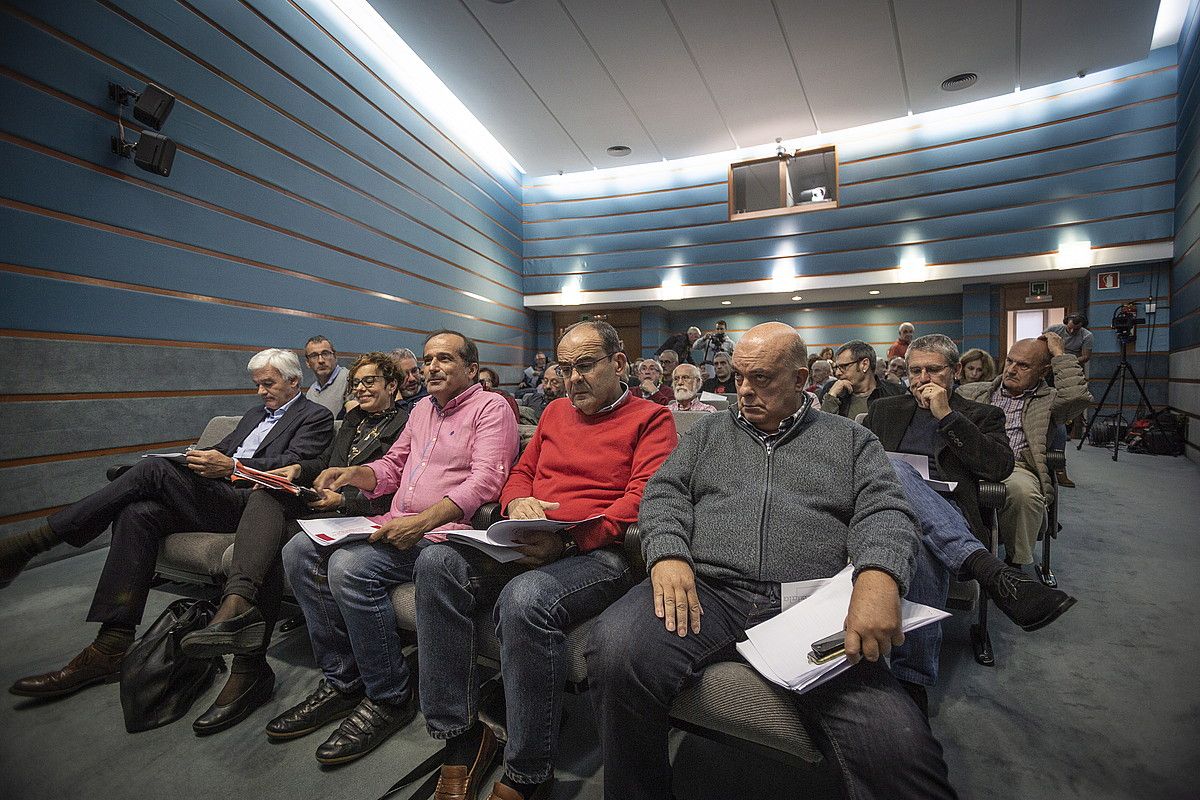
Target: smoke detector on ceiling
(618, 151)
(958, 82)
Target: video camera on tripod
(1125, 321)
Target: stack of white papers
(921, 465)
(778, 648)
(499, 540)
(337, 529)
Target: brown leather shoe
(88, 668)
(502, 792)
(462, 783)
(1063, 480)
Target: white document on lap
(500, 539)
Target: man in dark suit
(965, 443)
(158, 497)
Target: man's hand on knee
(873, 621)
(676, 601)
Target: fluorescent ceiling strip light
(406, 72)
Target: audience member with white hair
(904, 336)
(686, 383)
(650, 386)
(160, 496)
(680, 344)
(820, 377)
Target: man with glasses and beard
(686, 387)
(856, 385)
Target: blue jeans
(345, 594)
(947, 542)
(533, 610)
(864, 722)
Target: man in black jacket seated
(965, 443)
(158, 497)
(855, 386)
(254, 589)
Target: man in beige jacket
(1031, 408)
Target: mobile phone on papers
(827, 649)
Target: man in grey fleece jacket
(772, 491)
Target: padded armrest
(992, 494)
(487, 515)
(633, 552)
(1056, 460)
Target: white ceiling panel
(442, 33)
(940, 38)
(846, 52)
(652, 68)
(541, 40)
(1051, 49)
(746, 63)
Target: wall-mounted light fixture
(152, 152)
(1072, 255)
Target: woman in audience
(977, 366)
(490, 380)
(254, 588)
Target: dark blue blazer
(304, 432)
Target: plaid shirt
(784, 425)
(1014, 414)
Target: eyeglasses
(915, 372)
(320, 355)
(366, 381)
(840, 367)
(583, 367)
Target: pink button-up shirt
(463, 451)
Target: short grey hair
(403, 352)
(610, 340)
(690, 370)
(287, 362)
(938, 343)
(908, 325)
(694, 329)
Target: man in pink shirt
(452, 457)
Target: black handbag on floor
(158, 682)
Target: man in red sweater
(591, 456)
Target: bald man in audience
(774, 492)
(686, 386)
(1031, 406)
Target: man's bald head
(1027, 363)
(770, 368)
(779, 339)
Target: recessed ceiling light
(726, 302)
(797, 297)
(873, 291)
(956, 83)
(618, 151)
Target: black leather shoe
(86, 669)
(218, 718)
(1026, 601)
(238, 635)
(367, 727)
(314, 712)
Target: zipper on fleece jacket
(765, 516)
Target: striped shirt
(1014, 414)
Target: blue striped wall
(1095, 159)
(982, 310)
(833, 324)
(307, 196)
(1149, 353)
(1185, 270)
(655, 329)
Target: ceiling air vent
(618, 151)
(958, 82)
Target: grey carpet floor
(1103, 704)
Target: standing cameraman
(707, 346)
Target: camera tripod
(1121, 370)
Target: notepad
(778, 648)
(921, 465)
(333, 530)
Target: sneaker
(1026, 601)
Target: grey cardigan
(821, 495)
